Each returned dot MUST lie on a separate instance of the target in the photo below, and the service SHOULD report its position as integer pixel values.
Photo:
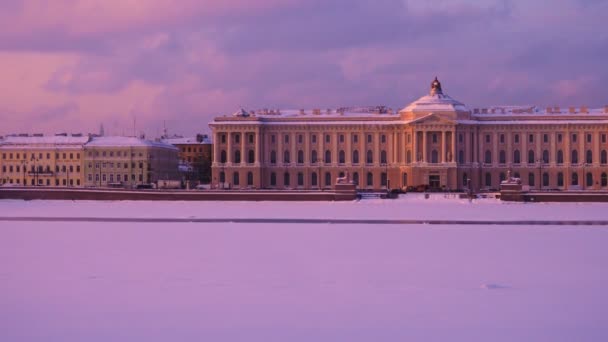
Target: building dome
(435, 103)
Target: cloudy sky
(70, 65)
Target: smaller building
(195, 155)
(127, 162)
(39, 160)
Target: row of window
(559, 157)
(314, 181)
(114, 153)
(189, 149)
(43, 182)
(369, 157)
(117, 165)
(111, 179)
(40, 156)
(300, 138)
(531, 179)
(39, 168)
(531, 137)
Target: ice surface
(66, 281)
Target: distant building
(38, 160)
(127, 162)
(195, 155)
(435, 142)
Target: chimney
(572, 110)
(493, 111)
(484, 110)
(556, 109)
(316, 111)
(475, 110)
(328, 111)
(584, 109)
(549, 110)
(606, 109)
(302, 112)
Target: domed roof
(436, 101)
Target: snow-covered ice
(71, 281)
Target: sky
(141, 65)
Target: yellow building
(37, 160)
(435, 142)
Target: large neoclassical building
(435, 142)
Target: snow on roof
(332, 112)
(435, 103)
(44, 140)
(117, 141)
(187, 140)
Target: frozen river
(223, 281)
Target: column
(280, 137)
(244, 154)
(596, 148)
(524, 146)
(258, 146)
(377, 148)
(348, 137)
(229, 149)
(307, 150)
(424, 155)
(444, 147)
(390, 148)
(334, 154)
(403, 147)
(509, 137)
(216, 148)
(553, 148)
(294, 150)
(415, 146)
(495, 159)
(454, 160)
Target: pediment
(433, 119)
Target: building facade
(38, 160)
(435, 142)
(195, 156)
(127, 162)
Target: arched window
(286, 179)
(300, 179)
(273, 179)
(223, 156)
(237, 156)
(560, 179)
(434, 157)
(300, 157)
(546, 157)
(461, 157)
(313, 179)
(355, 157)
(286, 159)
(516, 157)
(370, 179)
(313, 157)
(574, 159)
(235, 178)
(273, 157)
(545, 179)
(604, 157)
(604, 179)
(251, 157)
(341, 157)
(488, 157)
(222, 177)
(531, 157)
(250, 178)
(589, 179)
(409, 156)
(574, 178)
(488, 179)
(531, 179)
(502, 157)
(327, 179)
(356, 178)
(383, 159)
(589, 157)
(327, 157)
(560, 157)
(370, 157)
